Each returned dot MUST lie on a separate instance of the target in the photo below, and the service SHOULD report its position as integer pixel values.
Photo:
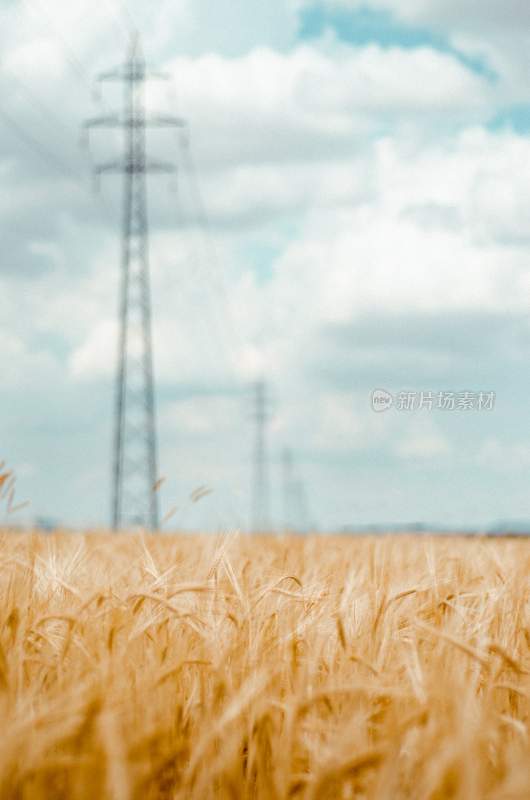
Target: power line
(260, 511)
(70, 55)
(42, 152)
(37, 148)
(47, 156)
(119, 28)
(75, 64)
(197, 223)
(127, 15)
(203, 222)
(198, 265)
(38, 103)
(197, 270)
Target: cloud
(266, 107)
(23, 365)
(423, 444)
(91, 358)
(186, 26)
(503, 456)
(418, 249)
(491, 33)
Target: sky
(365, 173)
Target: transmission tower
(134, 466)
(289, 489)
(296, 515)
(260, 498)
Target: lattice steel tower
(134, 467)
(261, 522)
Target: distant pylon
(134, 465)
(296, 517)
(260, 496)
(289, 490)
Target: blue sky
(365, 169)
(364, 26)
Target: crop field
(206, 667)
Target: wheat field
(205, 667)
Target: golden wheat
(264, 667)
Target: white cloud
(423, 441)
(422, 235)
(95, 357)
(503, 456)
(184, 26)
(24, 365)
(274, 107)
(203, 416)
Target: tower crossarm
(116, 121)
(137, 72)
(150, 166)
(165, 121)
(106, 121)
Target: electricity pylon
(296, 517)
(260, 497)
(289, 489)
(134, 467)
